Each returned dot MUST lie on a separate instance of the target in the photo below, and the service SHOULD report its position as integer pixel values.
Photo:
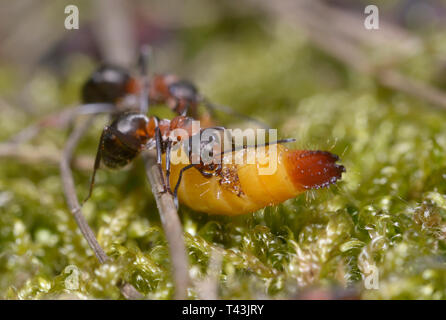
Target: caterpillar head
(313, 169)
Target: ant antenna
(143, 64)
(228, 110)
(239, 148)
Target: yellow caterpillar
(240, 188)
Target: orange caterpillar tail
(242, 188)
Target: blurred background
(309, 68)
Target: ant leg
(206, 174)
(233, 149)
(186, 108)
(59, 119)
(281, 141)
(222, 129)
(177, 185)
(174, 105)
(97, 163)
(168, 148)
(220, 139)
(95, 108)
(73, 203)
(265, 144)
(159, 154)
(70, 192)
(129, 141)
(215, 128)
(144, 59)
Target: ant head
(183, 89)
(182, 122)
(153, 122)
(159, 86)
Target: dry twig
(73, 203)
(70, 191)
(171, 225)
(38, 155)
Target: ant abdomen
(114, 153)
(124, 139)
(107, 85)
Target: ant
(114, 84)
(112, 89)
(130, 133)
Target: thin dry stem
(171, 225)
(69, 190)
(40, 154)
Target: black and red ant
(113, 89)
(115, 85)
(130, 133)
